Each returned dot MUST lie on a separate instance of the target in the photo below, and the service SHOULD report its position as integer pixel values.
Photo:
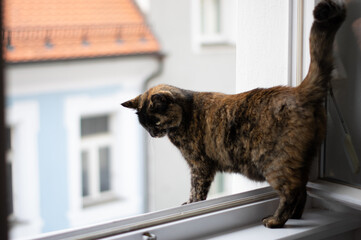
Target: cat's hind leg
(300, 205)
(282, 214)
(291, 189)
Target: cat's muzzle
(157, 133)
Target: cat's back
(258, 118)
(268, 121)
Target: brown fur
(265, 134)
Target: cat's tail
(328, 17)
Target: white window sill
(230, 217)
(219, 45)
(315, 224)
(346, 195)
(216, 42)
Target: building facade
(74, 158)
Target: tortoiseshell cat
(265, 134)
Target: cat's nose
(152, 133)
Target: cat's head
(157, 110)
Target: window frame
(264, 196)
(4, 226)
(255, 204)
(345, 193)
(92, 145)
(172, 215)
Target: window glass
(85, 173)
(104, 169)
(94, 125)
(343, 143)
(210, 17)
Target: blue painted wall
(52, 152)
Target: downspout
(159, 57)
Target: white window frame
(343, 203)
(23, 118)
(128, 198)
(91, 144)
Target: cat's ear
(162, 97)
(133, 103)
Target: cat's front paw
(191, 200)
(272, 222)
(188, 202)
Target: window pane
(94, 125)
(210, 17)
(343, 142)
(218, 16)
(85, 173)
(104, 169)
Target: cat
(265, 134)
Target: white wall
(25, 79)
(262, 44)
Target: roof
(41, 30)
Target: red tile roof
(40, 30)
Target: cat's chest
(191, 147)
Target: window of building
(104, 164)
(210, 18)
(96, 161)
(213, 23)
